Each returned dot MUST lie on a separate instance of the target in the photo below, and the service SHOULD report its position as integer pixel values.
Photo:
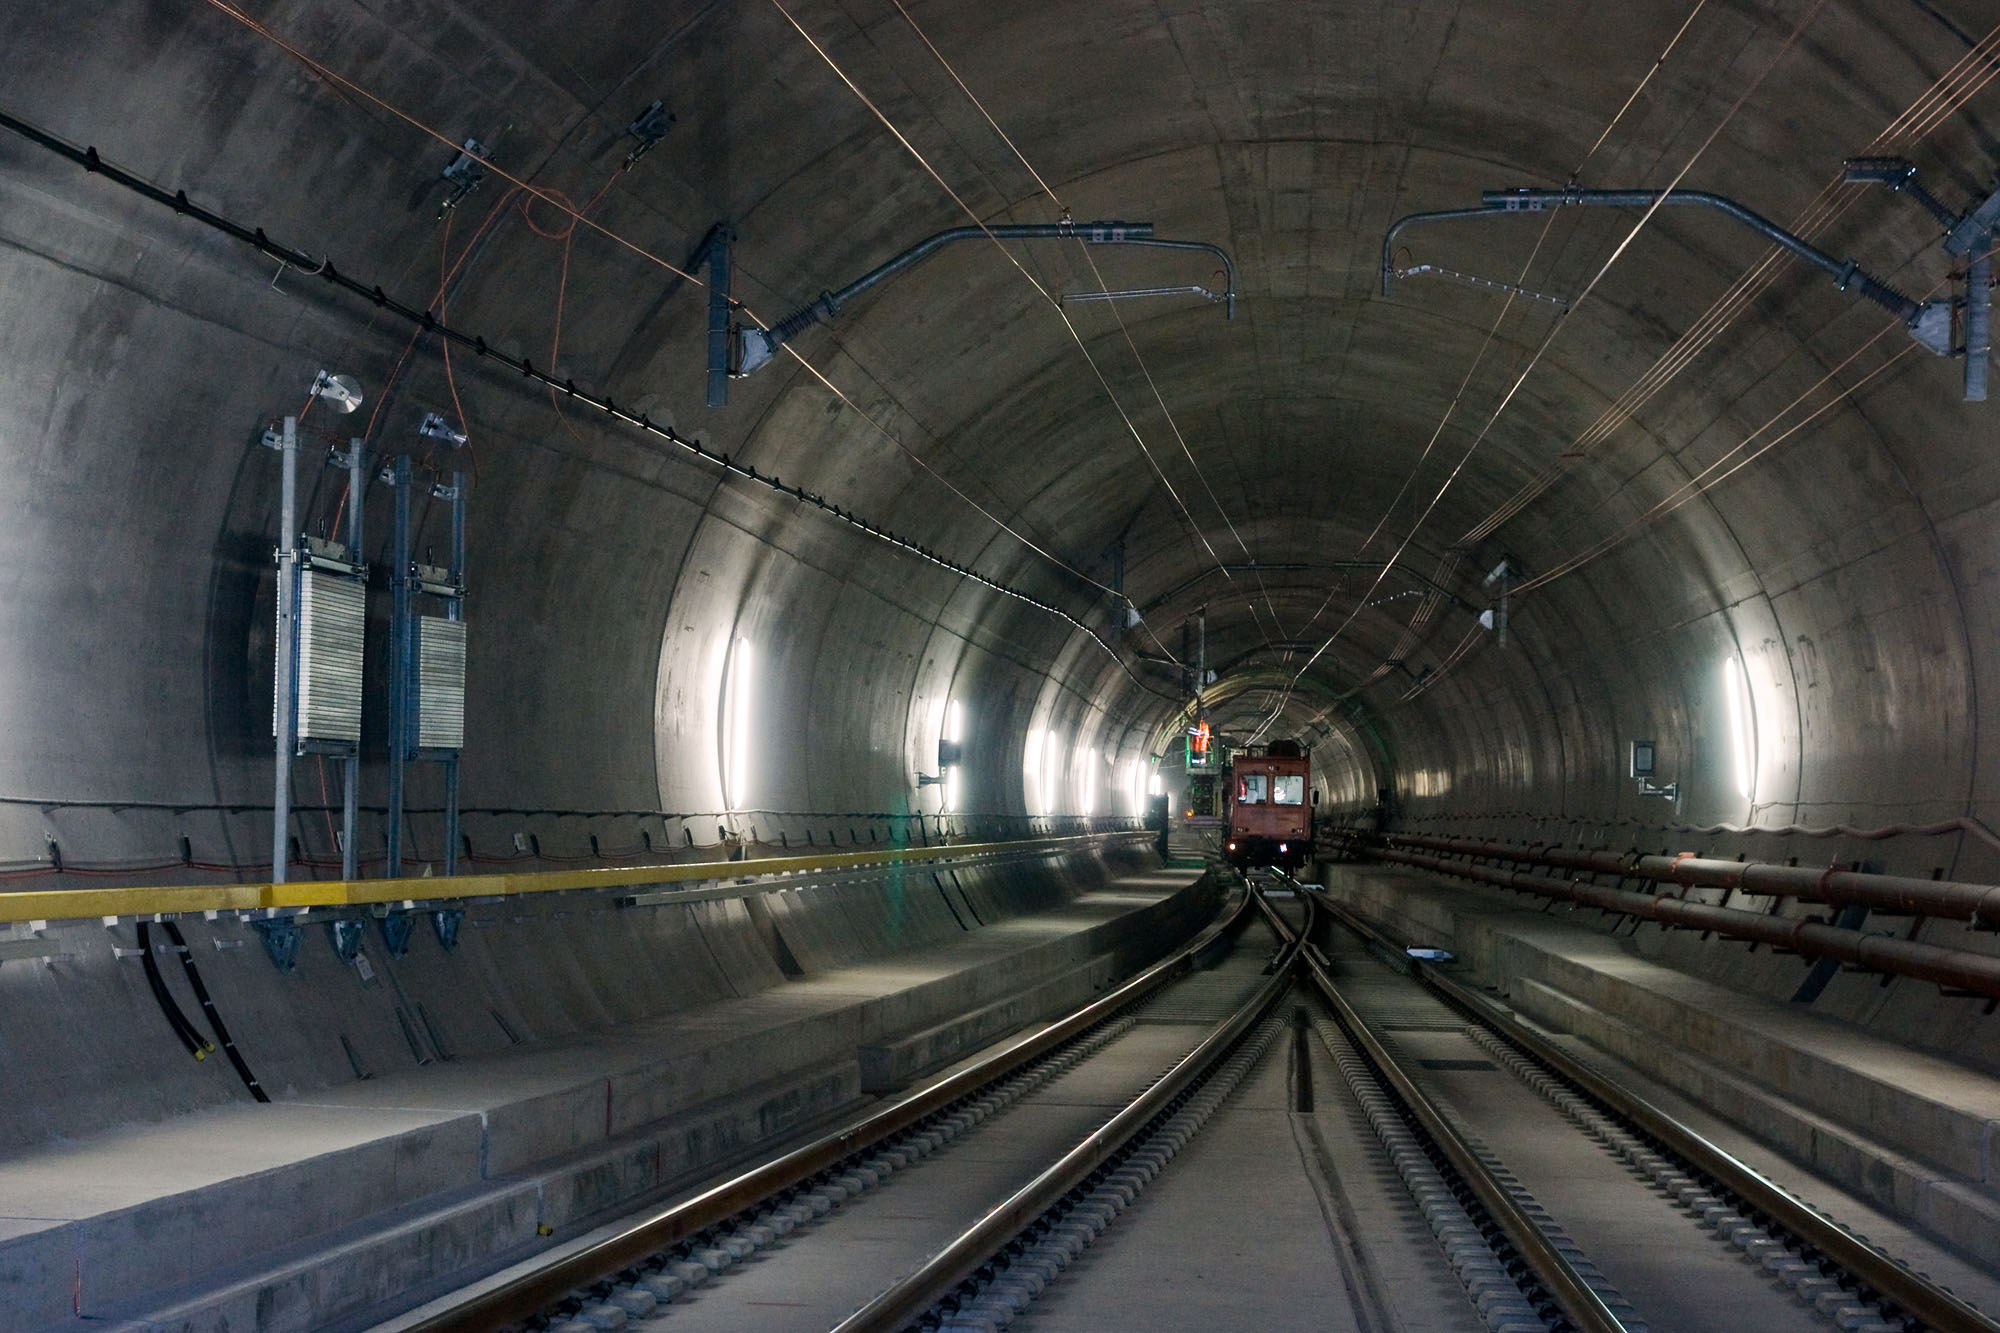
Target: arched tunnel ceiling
(1323, 433)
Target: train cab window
(1290, 790)
(1250, 789)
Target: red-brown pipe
(1977, 903)
(1954, 968)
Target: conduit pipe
(1977, 903)
(1950, 969)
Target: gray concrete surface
(1850, 565)
(1907, 1132)
(496, 1147)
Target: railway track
(1543, 1197)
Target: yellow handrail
(151, 900)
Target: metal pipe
(1845, 274)
(1092, 233)
(1441, 215)
(760, 345)
(285, 723)
(1977, 903)
(1976, 974)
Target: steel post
(401, 649)
(285, 694)
(456, 611)
(350, 777)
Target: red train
(1270, 808)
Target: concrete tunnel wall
(1851, 567)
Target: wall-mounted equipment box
(1644, 764)
(440, 683)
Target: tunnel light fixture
(1031, 772)
(736, 704)
(1156, 786)
(339, 392)
(1742, 727)
(1052, 774)
(953, 735)
(1086, 795)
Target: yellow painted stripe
(80, 904)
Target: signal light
(1232, 846)
(1283, 847)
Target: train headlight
(1232, 846)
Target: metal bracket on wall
(281, 942)
(346, 937)
(465, 173)
(648, 127)
(445, 921)
(1968, 236)
(396, 933)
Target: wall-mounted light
(951, 752)
(736, 703)
(1034, 791)
(1086, 794)
(1742, 727)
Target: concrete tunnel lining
(1850, 567)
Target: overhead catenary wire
(1104, 290)
(325, 269)
(1949, 92)
(1055, 304)
(1428, 606)
(555, 200)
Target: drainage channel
(1753, 1253)
(750, 1231)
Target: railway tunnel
(864, 441)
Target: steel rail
(529, 1294)
(906, 1301)
(1912, 1294)
(150, 900)
(1585, 1308)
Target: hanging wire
(555, 200)
(1053, 303)
(1104, 291)
(1583, 295)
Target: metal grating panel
(440, 683)
(333, 622)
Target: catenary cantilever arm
(1929, 322)
(760, 345)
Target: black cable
(214, 1019)
(177, 1020)
(178, 201)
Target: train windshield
(1250, 789)
(1288, 790)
